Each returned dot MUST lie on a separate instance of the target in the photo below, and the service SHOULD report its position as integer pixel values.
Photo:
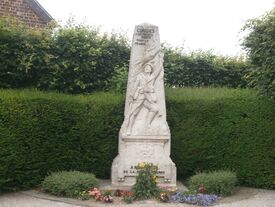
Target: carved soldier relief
(145, 93)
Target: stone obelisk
(144, 135)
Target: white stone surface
(144, 135)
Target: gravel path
(21, 200)
(245, 197)
(264, 198)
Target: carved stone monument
(144, 135)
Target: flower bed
(193, 198)
(146, 187)
(189, 197)
(84, 186)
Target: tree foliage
(24, 54)
(85, 61)
(260, 45)
(77, 58)
(200, 69)
(74, 58)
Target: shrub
(216, 182)
(69, 183)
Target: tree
(260, 45)
(84, 60)
(24, 53)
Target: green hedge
(77, 59)
(211, 129)
(215, 129)
(47, 132)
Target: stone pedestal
(144, 135)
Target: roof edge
(39, 10)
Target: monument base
(138, 149)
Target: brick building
(28, 11)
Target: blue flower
(196, 199)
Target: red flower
(202, 189)
(127, 193)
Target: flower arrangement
(106, 196)
(127, 193)
(146, 181)
(164, 197)
(107, 199)
(169, 195)
(96, 194)
(127, 196)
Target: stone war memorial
(144, 135)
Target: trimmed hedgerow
(69, 183)
(211, 129)
(217, 182)
(214, 129)
(48, 132)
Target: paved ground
(244, 197)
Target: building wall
(20, 10)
